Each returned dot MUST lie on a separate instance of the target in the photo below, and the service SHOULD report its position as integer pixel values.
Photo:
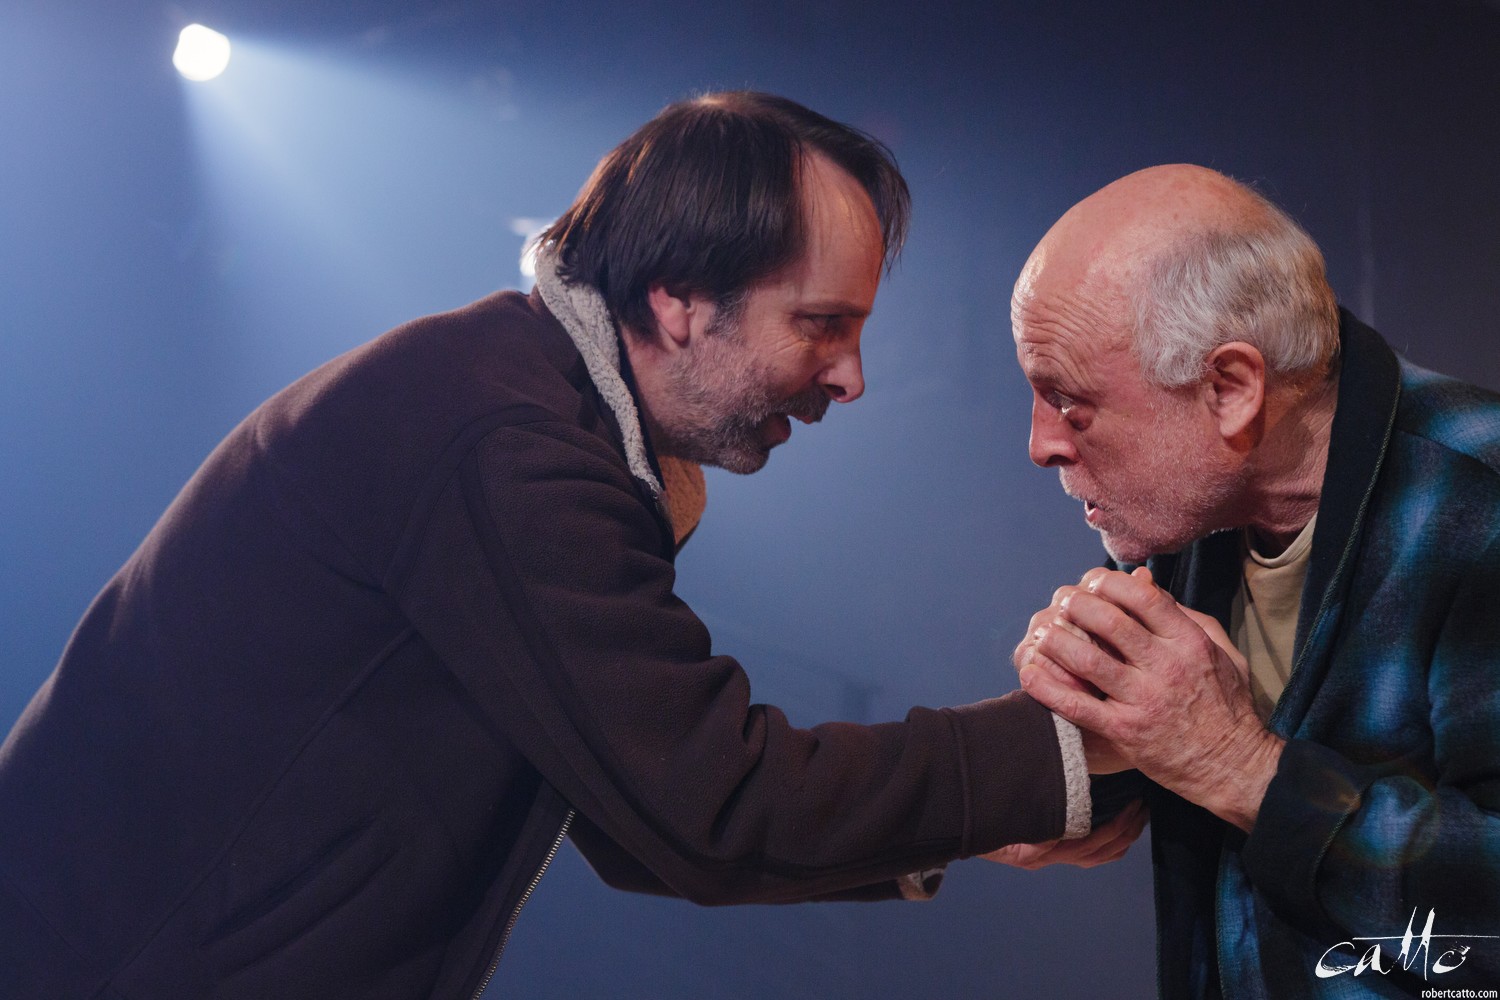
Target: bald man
(1323, 745)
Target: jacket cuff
(1080, 817)
(1015, 787)
(1314, 791)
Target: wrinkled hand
(1176, 702)
(1211, 627)
(1106, 843)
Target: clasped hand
(1154, 686)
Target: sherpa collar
(582, 312)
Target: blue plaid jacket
(1386, 807)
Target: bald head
(1180, 259)
(1178, 334)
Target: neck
(1287, 477)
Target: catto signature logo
(1449, 953)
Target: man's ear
(680, 315)
(1237, 384)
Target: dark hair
(706, 198)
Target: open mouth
(778, 428)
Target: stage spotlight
(528, 230)
(202, 53)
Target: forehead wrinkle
(1099, 375)
(1076, 323)
(1047, 364)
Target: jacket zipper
(515, 914)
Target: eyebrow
(833, 307)
(1043, 373)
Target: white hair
(1262, 283)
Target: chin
(1136, 551)
(741, 463)
(1132, 551)
(1123, 556)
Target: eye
(823, 326)
(1070, 409)
(1064, 404)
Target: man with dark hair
(413, 622)
(1324, 742)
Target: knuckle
(1115, 622)
(1123, 729)
(1202, 647)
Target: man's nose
(843, 378)
(1051, 438)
